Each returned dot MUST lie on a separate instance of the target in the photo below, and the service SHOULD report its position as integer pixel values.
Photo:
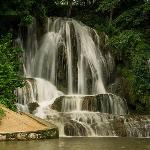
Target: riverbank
(23, 126)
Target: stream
(84, 143)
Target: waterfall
(57, 45)
(65, 70)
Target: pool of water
(79, 144)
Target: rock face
(132, 126)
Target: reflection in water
(79, 144)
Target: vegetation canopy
(10, 78)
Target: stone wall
(36, 135)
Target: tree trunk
(70, 2)
(111, 16)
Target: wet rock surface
(108, 125)
(32, 106)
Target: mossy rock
(32, 106)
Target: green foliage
(2, 113)
(133, 17)
(27, 9)
(108, 29)
(107, 5)
(9, 103)
(10, 78)
(123, 43)
(131, 48)
(26, 20)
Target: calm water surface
(79, 144)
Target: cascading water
(36, 90)
(80, 115)
(68, 57)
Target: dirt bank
(13, 123)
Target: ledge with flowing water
(104, 103)
(97, 115)
(97, 124)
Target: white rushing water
(37, 90)
(68, 57)
(42, 62)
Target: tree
(109, 6)
(70, 3)
(134, 17)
